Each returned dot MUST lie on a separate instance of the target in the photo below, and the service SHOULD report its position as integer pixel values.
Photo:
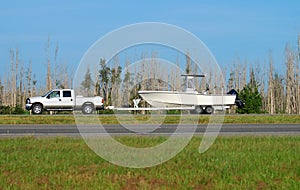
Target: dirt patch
(43, 181)
(130, 182)
(203, 187)
(261, 185)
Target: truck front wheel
(37, 109)
(87, 109)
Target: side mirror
(48, 97)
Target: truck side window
(55, 94)
(67, 94)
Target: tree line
(20, 82)
(261, 86)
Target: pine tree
(252, 99)
(250, 96)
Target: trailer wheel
(209, 110)
(87, 109)
(198, 110)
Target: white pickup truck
(64, 100)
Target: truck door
(67, 101)
(52, 100)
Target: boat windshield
(47, 93)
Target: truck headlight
(27, 101)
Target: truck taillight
(102, 100)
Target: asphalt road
(72, 130)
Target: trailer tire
(198, 110)
(209, 110)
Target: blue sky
(230, 29)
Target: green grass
(143, 119)
(231, 163)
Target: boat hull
(177, 99)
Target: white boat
(202, 102)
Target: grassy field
(138, 119)
(231, 163)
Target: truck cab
(62, 99)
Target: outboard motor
(238, 101)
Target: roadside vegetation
(231, 163)
(148, 119)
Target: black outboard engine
(238, 101)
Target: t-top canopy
(193, 75)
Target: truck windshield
(47, 93)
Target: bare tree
(48, 76)
(87, 84)
(298, 73)
(21, 94)
(58, 71)
(1, 93)
(12, 80)
(231, 80)
(262, 90)
(290, 81)
(237, 74)
(115, 82)
(127, 84)
(104, 76)
(29, 80)
(178, 77)
(34, 83)
(279, 95)
(271, 95)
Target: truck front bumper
(28, 106)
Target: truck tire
(37, 109)
(87, 109)
(209, 110)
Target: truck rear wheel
(37, 109)
(87, 109)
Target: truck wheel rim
(37, 109)
(88, 109)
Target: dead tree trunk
(270, 96)
(290, 99)
(48, 77)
